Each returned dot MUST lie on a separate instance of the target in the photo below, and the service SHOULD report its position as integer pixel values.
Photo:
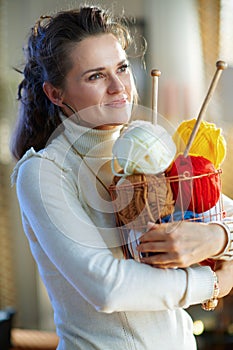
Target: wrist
(226, 253)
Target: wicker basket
(139, 198)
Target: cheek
(87, 97)
(132, 88)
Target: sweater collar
(87, 141)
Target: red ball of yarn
(195, 183)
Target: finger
(165, 266)
(151, 225)
(153, 247)
(161, 266)
(161, 232)
(165, 260)
(153, 235)
(160, 260)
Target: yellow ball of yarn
(208, 142)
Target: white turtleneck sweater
(100, 300)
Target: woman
(76, 94)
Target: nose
(115, 85)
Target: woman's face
(99, 86)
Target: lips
(119, 103)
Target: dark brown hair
(48, 59)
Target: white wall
(22, 15)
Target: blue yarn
(179, 215)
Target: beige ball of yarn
(141, 198)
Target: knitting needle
(155, 73)
(221, 65)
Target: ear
(54, 94)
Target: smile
(117, 103)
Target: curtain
(7, 289)
(209, 19)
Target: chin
(118, 116)
(122, 119)
(110, 125)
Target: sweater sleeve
(228, 205)
(50, 206)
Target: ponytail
(38, 117)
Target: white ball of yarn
(144, 148)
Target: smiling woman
(90, 84)
(63, 67)
(76, 96)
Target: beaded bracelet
(227, 254)
(210, 305)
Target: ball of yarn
(195, 183)
(144, 148)
(180, 216)
(208, 142)
(140, 198)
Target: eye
(123, 68)
(95, 76)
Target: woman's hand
(181, 244)
(224, 272)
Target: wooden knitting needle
(155, 73)
(221, 65)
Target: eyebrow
(97, 69)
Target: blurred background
(185, 38)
